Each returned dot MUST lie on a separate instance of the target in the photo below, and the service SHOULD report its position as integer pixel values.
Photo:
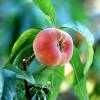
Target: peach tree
(35, 68)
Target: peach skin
(53, 47)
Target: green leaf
(39, 95)
(80, 70)
(88, 38)
(46, 7)
(20, 89)
(56, 80)
(35, 66)
(23, 54)
(79, 78)
(81, 90)
(24, 75)
(20, 76)
(1, 83)
(51, 77)
(84, 31)
(34, 97)
(90, 59)
(77, 65)
(48, 76)
(9, 88)
(23, 41)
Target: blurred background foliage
(16, 16)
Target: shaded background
(16, 16)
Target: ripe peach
(53, 47)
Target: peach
(53, 47)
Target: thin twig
(25, 64)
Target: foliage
(44, 81)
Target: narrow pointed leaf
(1, 83)
(23, 41)
(79, 78)
(46, 7)
(88, 38)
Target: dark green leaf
(21, 74)
(23, 54)
(44, 95)
(51, 77)
(56, 80)
(81, 90)
(9, 88)
(23, 41)
(85, 32)
(35, 66)
(79, 78)
(20, 89)
(77, 65)
(46, 7)
(1, 83)
(88, 39)
(39, 95)
(34, 97)
(48, 76)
